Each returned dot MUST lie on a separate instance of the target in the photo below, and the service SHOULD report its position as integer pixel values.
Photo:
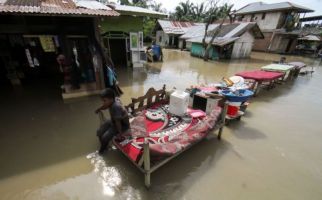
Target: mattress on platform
(277, 67)
(298, 65)
(260, 75)
(166, 134)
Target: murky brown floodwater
(47, 147)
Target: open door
(137, 50)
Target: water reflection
(109, 177)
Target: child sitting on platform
(118, 123)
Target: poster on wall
(47, 43)
(134, 41)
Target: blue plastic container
(238, 96)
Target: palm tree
(183, 11)
(198, 12)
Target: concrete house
(278, 22)
(233, 41)
(168, 32)
(117, 31)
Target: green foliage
(148, 26)
(138, 3)
(148, 22)
(203, 12)
(124, 2)
(187, 11)
(217, 12)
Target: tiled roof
(55, 7)
(264, 7)
(176, 27)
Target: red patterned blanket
(166, 134)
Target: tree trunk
(207, 49)
(204, 37)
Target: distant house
(194, 32)
(116, 33)
(168, 32)
(309, 44)
(313, 25)
(233, 41)
(278, 22)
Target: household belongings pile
(235, 90)
(163, 127)
(271, 74)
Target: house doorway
(289, 45)
(40, 63)
(4, 56)
(118, 52)
(79, 49)
(176, 41)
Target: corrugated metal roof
(245, 26)
(312, 18)
(240, 27)
(310, 38)
(136, 10)
(217, 41)
(230, 32)
(53, 7)
(227, 28)
(198, 30)
(262, 7)
(35, 3)
(95, 5)
(176, 27)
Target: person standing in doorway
(63, 68)
(75, 74)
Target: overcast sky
(313, 4)
(316, 5)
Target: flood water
(47, 146)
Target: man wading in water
(119, 122)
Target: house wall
(180, 44)
(276, 42)
(281, 42)
(162, 38)
(198, 50)
(263, 44)
(243, 46)
(271, 20)
(122, 23)
(268, 25)
(188, 45)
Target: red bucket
(232, 110)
